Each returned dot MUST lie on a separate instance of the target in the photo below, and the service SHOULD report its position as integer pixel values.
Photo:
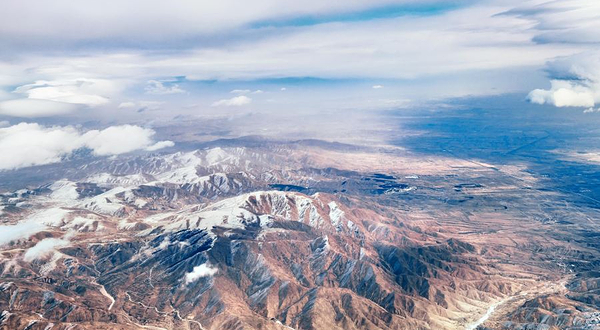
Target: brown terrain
(297, 237)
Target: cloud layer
(110, 58)
(29, 144)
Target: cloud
(240, 91)
(4, 123)
(565, 21)
(208, 42)
(32, 108)
(116, 140)
(160, 145)
(233, 102)
(44, 248)
(78, 91)
(126, 105)
(575, 82)
(591, 110)
(31, 144)
(377, 86)
(159, 88)
(47, 98)
(26, 144)
(198, 272)
(65, 23)
(563, 94)
(246, 91)
(21, 230)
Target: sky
(85, 74)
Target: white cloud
(240, 91)
(377, 86)
(160, 145)
(468, 39)
(31, 144)
(563, 94)
(26, 144)
(126, 105)
(576, 82)
(233, 102)
(198, 272)
(148, 105)
(90, 92)
(65, 22)
(159, 88)
(117, 140)
(565, 21)
(21, 230)
(44, 248)
(32, 108)
(246, 91)
(46, 98)
(591, 110)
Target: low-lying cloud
(44, 248)
(30, 144)
(21, 230)
(203, 270)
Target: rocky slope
(242, 238)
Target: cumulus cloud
(575, 82)
(116, 140)
(563, 94)
(44, 248)
(162, 88)
(233, 102)
(30, 144)
(203, 270)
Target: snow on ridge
(126, 180)
(336, 214)
(64, 190)
(105, 203)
